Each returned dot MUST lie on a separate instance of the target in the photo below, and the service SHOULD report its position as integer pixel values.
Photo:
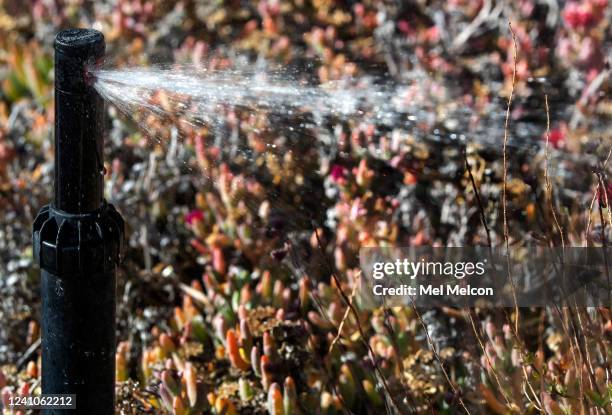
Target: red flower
(586, 14)
(580, 15)
(571, 14)
(194, 216)
(338, 173)
(556, 137)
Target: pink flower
(581, 15)
(359, 9)
(338, 173)
(585, 14)
(194, 216)
(433, 34)
(571, 14)
(405, 27)
(527, 8)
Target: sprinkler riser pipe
(79, 184)
(78, 240)
(78, 357)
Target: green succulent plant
(30, 74)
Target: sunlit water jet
(198, 96)
(422, 107)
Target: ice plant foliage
(281, 138)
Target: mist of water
(198, 97)
(207, 90)
(425, 108)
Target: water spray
(78, 239)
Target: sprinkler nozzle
(79, 112)
(76, 51)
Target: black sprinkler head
(76, 50)
(78, 239)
